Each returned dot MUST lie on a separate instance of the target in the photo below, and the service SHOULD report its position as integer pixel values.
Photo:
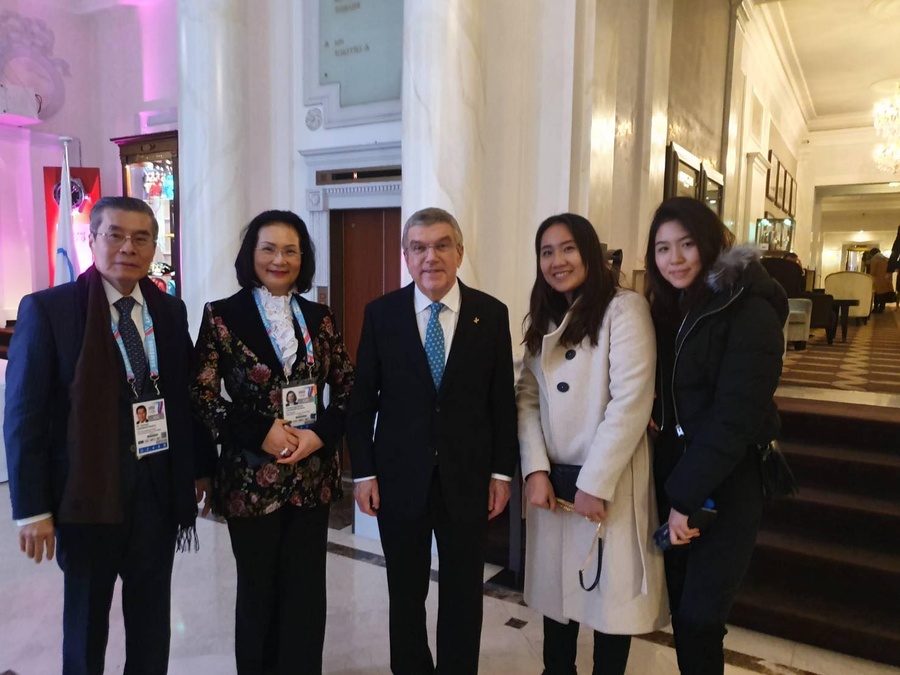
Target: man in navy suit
(435, 366)
(110, 498)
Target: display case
(150, 173)
(775, 234)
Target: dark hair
(596, 292)
(131, 204)
(711, 238)
(243, 264)
(141, 407)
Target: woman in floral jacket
(280, 464)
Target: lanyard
(149, 341)
(298, 315)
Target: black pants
(281, 605)
(561, 649)
(407, 552)
(703, 577)
(141, 551)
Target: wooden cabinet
(150, 172)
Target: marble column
(629, 127)
(212, 138)
(488, 130)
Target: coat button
(570, 354)
(563, 387)
(437, 408)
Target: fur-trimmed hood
(739, 268)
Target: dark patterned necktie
(134, 347)
(434, 343)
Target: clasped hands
(539, 493)
(288, 444)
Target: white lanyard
(149, 341)
(298, 315)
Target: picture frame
(780, 186)
(772, 177)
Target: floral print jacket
(233, 348)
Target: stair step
(872, 473)
(813, 619)
(829, 422)
(848, 575)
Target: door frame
(321, 199)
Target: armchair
(852, 286)
(821, 314)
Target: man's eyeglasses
(441, 248)
(117, 239)
(267, 251)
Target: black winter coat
(717, 380)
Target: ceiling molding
(777, 27)
(843, 137)
(848, 121)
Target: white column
(487, 128)
(212, 140)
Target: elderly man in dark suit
(435, 366)
(114, 499)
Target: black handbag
(562, 479)
(775, 472)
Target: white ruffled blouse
(278, 312)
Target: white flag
(66, 260)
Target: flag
(66, 260)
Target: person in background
(584, 394)
(81, 355)
(719, 319)
(882, 286)
(276, 477)
(435, 366)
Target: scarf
(93, 491)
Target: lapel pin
(475, 320)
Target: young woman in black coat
(719, 318)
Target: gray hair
(132, 204)
(428, 217)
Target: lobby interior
(502, 112)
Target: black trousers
(407, 551)
(281, 603)
(561, 650)
(703, 577)
(141, 551)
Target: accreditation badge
(151, 433)
(299, 404)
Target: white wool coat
(598, 422)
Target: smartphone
(703, 518)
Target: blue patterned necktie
(134, 347)
(434, 344)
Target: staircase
(826, 569)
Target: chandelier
(887, 157)
(886, 117)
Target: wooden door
(365, 264)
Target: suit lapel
(410, 339)
(245, 323)
(464, 335)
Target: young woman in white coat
(584, 395)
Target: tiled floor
(357, 638)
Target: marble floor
(357, 638)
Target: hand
(307, 443)
(35, 537)
(367, 498)
(653, 426)
(679, 532)
(498, 496)
(539, 490)
(591, 507)
(203, 488)
(281, 436)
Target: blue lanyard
(298, 315)
(150, 343)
